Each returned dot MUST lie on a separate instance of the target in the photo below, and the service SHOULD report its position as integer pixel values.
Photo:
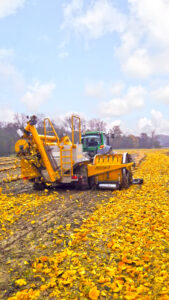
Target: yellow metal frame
(64, 163)
(73, 134)
(40, 140)
(50, 131)
(52, 174)
(108, 167)
(94, 170)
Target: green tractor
(96, 142)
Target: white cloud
(96, 90)
(161, 94)
(153, 16)
(100, 18)
(62, 49)
(6, 115)
(129, 41)
(122, 101)
(145, 125)
(72, 8)
(144, 49)
(8, 7)
(110, 125)
(116, 88)
(6, 54)
(37, 94)
(102, 90)
(143, 31)
(132, 99)
(138, 64)
(69, 114)
(9, 75)
(7, 71)
(157, 123)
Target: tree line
(9, 136)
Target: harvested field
(10, 176)
(67, 244)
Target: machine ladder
(66, 162)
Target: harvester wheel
(82, 184)
(92, 183)
(126, 178)
(39, 186)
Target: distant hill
(163, 139)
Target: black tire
(92, 183)
(125, 179)
(82, 184)
(39, 186)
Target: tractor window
(91, 140)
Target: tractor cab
(95, 142)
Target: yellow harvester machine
(49, 160)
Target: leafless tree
(20, 120)
(96, 125)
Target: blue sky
(106, 59)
